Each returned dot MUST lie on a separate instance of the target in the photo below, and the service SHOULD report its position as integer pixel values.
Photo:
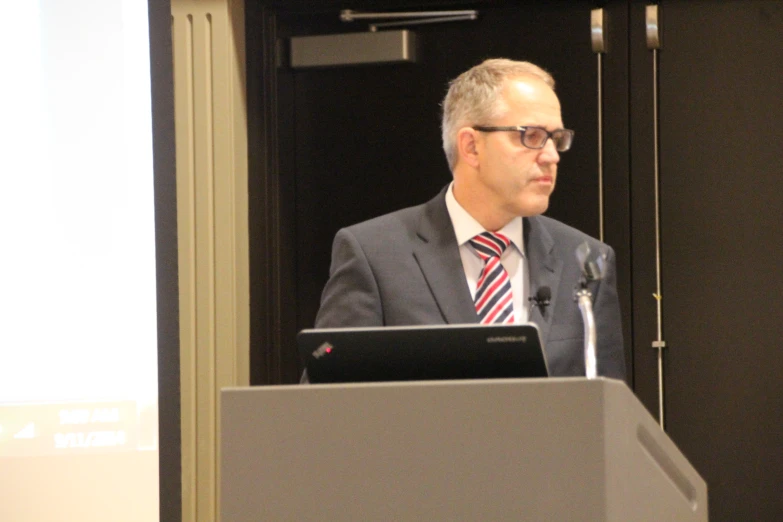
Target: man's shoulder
(391, 219)
(403, 221)
(565, 235)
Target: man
(430, 264)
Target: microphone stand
(591, 271)
(584, 298)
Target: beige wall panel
(212, 191)
(182, 40)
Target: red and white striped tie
(494, 303)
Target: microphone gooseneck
(593, 269)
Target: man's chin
(534, 206)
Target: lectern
(556, 449)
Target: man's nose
(549, 153)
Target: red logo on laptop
(322, 350)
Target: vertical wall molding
(211, 147)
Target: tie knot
(489, 244)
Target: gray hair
(474, 97)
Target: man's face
(514, 180)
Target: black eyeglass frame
(523, 128)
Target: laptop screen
(432, 352)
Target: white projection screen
(78, 333)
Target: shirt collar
(466, 227)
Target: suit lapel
(544, 270)
(437, 254)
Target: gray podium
(535, 449)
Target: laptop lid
(431, 352)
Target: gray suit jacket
(404, 268)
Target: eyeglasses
(535, 137)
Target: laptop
(412, 353)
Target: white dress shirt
(513, 258)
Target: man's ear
(468, 146)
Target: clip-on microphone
(541, 299)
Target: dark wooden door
(721, 202)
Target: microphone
(593, 269)
(541, 299)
